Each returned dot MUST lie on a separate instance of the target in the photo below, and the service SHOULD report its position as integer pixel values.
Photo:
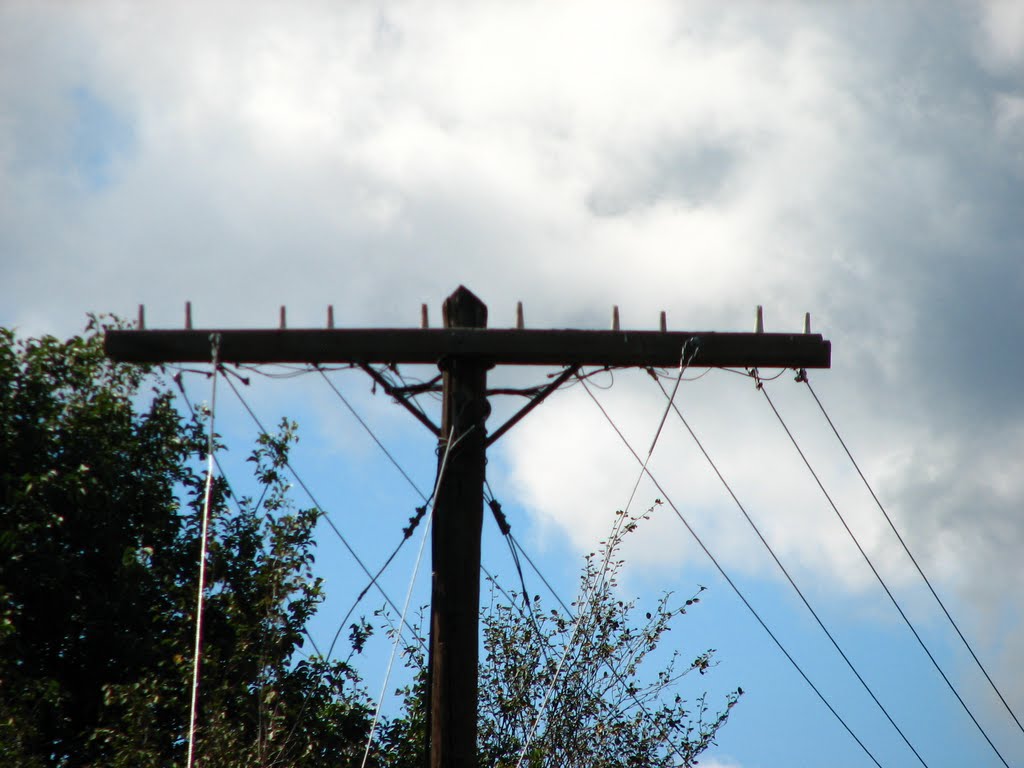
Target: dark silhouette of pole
(458, 520)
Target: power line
(506, 532)
(730, 582)
(449, 445)
(536, 570)
(319, 507)
(413, 521)
(616, 527)
(397, 641)
(546, 643)
(373, 577)
(510, 537)
(407, 534)
(878, 576)
(802, 377)
(792, 583)
(370, 432)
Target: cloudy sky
(863, 162)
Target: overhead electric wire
(408, 479)
(537, 570)
(323, 512)
(803, 378)
(513, 542)
(792, 583)
(220, 468)
(546, 643)
(424, 497)
(449, 445)
(373, 577)
(661, 373)
(420, 386)
(584, 376)
(506, 531)
(730, 582)
(362, 594)
(398, 637)
(598, 584)
(227, 483)
(370, 432)
(426, 509)
(878, 576)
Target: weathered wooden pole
(458, 521)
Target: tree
(99, 527)
(564, 692)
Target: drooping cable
(878, 576)
(792, 583)
(229, 492)
(404, 474)
(729, 580)
(397, 639)
(598, 583)
(449, 445)
(207, 492)
(802, 377)
(515, 547)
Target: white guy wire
(215, 357)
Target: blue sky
(861, 162)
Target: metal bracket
(541, 396)
(401, 400)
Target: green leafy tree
(99, 527)
(588, 691)
(586, 694)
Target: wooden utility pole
(464, 350)
(458, 521)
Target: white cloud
(691, 157)
(1002, 41)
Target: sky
(863, 162)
